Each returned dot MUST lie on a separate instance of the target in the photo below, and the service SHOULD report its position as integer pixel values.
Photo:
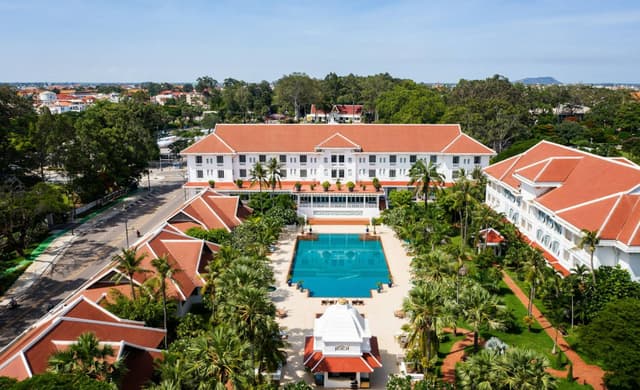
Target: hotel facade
(552, 192)
(348, 157)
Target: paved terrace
(379, 309)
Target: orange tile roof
(372, 138)
(30, 353)
(588, 191)
(348, 109)
(338, 141)
(318, 362)
(211, 210)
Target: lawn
(536, 340)
(564, 384)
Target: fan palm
(422, 175)
(129, 263)
(525, 369)
(480, 309)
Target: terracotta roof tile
(464, 144)
(372, 138)
(338, 141)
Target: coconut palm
(422, 175)
(258, 174)
(436, 265)
(87, 357)
(164, 271)
(463, 203)
(534, 268)
(274, 173)
(129, 263)
(589, 241)
(480, 309)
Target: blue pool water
(340, 265)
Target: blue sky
(428, 41)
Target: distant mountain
(539, 81)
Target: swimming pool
(339, 265)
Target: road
(92, 248)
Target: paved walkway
(455, 355)
(582, 372)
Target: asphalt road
(96, 242)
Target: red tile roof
(348, 109)
(372, 138)
(211, 210)
(30, 353)
(592, 192)
(317, 362)
(491, 236)
(338, 141)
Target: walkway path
(455, 355)
(583, 372)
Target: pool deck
(379, 309)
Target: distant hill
(539, 81)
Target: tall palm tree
(534, 268)
(480, 309)
(274, 173)
(463, 202)
(87, 357)
(422, 175)
(258, 174)
(128, 262)
(424, 305)
(164, 271)
(590, 241)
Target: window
(334, 158)
(283, 158)
(198, 160)
(372, 159)
(243, 173)
(326, 160)
(337, 173)
(455, 174)
(199, 174)
(456, 160)
(220, 160)
(262, 158)
(303, 159)
(341, 159)
(392, 173)
(283, 173)
(303, 173)
(433, 159)
(243, 159)
(220, 174)
(476, 160)
(392, 159)
(372, 173)
(413, 158)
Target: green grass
(536, 339)
(564, 384)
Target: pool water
(340, 265)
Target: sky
(575, 41)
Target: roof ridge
(587, 203)
(452, 142)
(337, 134)
(224, 142)
(610, 214)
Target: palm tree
(164, 271)
(258, 175)
(525, 369)
(217, 359)
(479, 371)
(590, 241)
(436, 265)
(424, 305)
(87, 357)
(534, 268)
(422, 175)
(463, 199)
(274, 173)
(480, 308)
(129, 262)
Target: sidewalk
(582, 372)
(46, 259)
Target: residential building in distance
(346, 113)
(347, 157)
(551, 192)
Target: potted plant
(312, 186)
(363, 186)
(289, 281)
(239, 183)
(350, 186)
(338, 185)
(379, 284)
(376, 184)
(326, 185)
(390, 281)
(300, 284)
(212, 183)
(297, 186)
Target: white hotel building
(551, 192)
(338, 154)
